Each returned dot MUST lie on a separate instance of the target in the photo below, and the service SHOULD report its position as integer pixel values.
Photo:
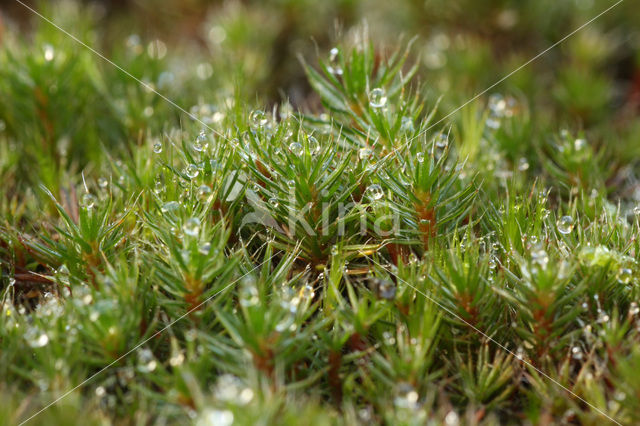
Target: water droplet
(100, 391)
(406, 397)
(540, 256)
(192, 227)
(36, 338)
(291, 183)
(602, 317)
(274, 202)
(492, 262)
(258, 118)
(156, 49)
(576, 352)
(636, 210)
(49, 52)
(296, 148)
(634, 309)
(406, 125)
(159, 184)
(377, 98)
(334, 250)
(385, 289)
(565, 225)
(364, 153)
(191, 171)
(334, 64)
(333, 54)
(88, 201)
(579, 144)
(170, 207)
(211, 417)
(204, 248)
(204, 192)
(452, 419)
(176, 360)
(314, 145)
(497, 104)
(493, 123)
(157, 147)
(420, 157)
(523, 164)
(146, 361)
(201, 143)
(249, 295)
(442, 141)
(103, 182)
(374, 192)
(307, 292)
(624, 275)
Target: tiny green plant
(358, 256)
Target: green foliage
(353, 253)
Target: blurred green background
(202, 54)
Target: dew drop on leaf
(88, 201)
(49, 52)
(146, 361)
(205, 248)
(565, 225)
(406, 125)
(176, 360)
(442, 141)
(624, 275)
(36, 338)
(405, 396)
(333, 54)
(364, 153)
(215, 417)
(579, 144)
(377, 98)
(201, 143)
(258, 118)
(374, 192)
(170, 207)
(540, 257)
(191, 171)
(204, 192)
(296, 148)
(492, 262)
(523, 164)
(576, 352)
(306, 292)
(192, 227)
(492, 123)
(314, 146)
(249, 295)
(334, 64)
